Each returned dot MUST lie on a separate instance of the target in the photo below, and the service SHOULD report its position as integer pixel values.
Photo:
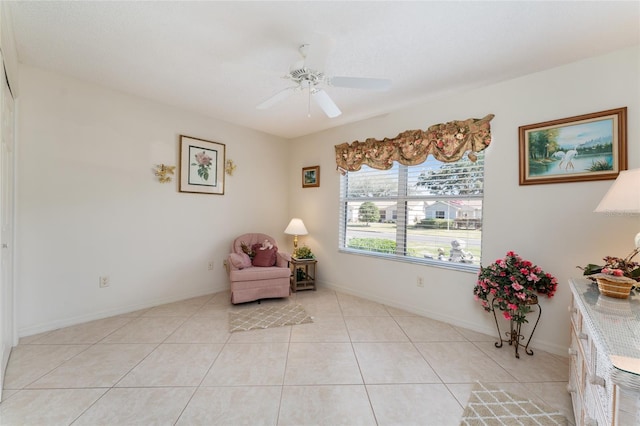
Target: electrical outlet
(104, 281)
(211, 266)
(419, 282)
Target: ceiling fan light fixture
(305, 73)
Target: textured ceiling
(221, 59)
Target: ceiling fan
(307, 74)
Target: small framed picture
(582, 148)
(201, 166)
(310, 176)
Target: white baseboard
(66, 322)
(449, 319)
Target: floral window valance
(446, 142)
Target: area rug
(266, 317)
(491, 406)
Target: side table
(303, 274)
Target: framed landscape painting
(201, 166)
(310, 176)
(582, 148)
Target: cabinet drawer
(593, 412)
(576, 394)
(576, 316)
(603, 388)
(592, 359)
(576, 361)
(578, 412)
(586, 344)
(628, 407)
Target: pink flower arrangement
(614, 272)
(616, 266)
(511, 285)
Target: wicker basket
(620, 289)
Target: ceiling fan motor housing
(306, 75)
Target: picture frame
(311, 177)
(201, 166)
(586, 147)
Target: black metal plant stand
(514, 336)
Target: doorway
(7, 145)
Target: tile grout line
(114, 385)
(227, 342)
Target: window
(428, 213)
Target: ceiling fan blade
(278, 97)
(326, 103)
(317, 51)
(379, 84)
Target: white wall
(551, 225)
(88, 203)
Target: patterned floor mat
(490, 406)
(266, 317)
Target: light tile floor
(358, 363)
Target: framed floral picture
(201, 166)
(581, 148)
(310, 176)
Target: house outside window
(436, 211)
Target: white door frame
(8, 336)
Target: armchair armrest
(282, 259)
(236, 262)
(228, 264)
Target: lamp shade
(623, 198)
(296, 227)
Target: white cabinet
(604, 380)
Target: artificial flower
(511, 285)
(616, 266)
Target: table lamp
(296, 227)
(623, 198)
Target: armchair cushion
(264, 257)
(258, 274)
(240, 260)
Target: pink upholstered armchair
(250, 282)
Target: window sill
(461, 267)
